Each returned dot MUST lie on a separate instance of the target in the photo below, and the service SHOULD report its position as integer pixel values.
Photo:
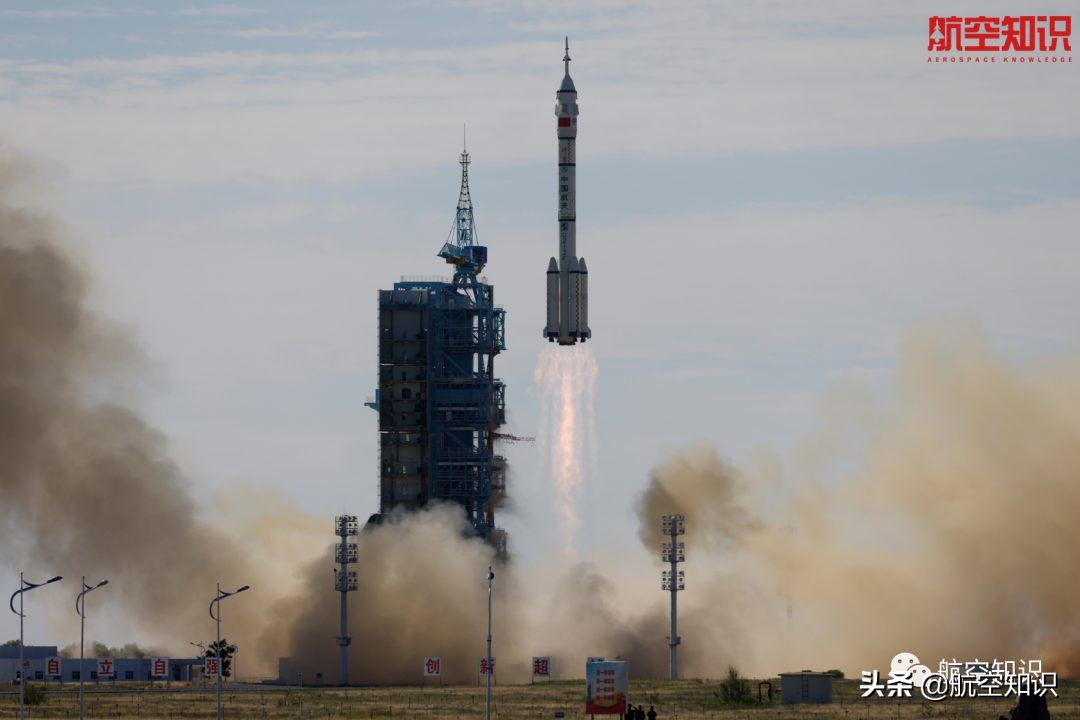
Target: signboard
(106, 667)
(486, 669)
(542, 667)
(594, 659)
(210, 666)
(607, 686)
(159, 667)
(52, 666)
(432, 666)
(25, 664)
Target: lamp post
(490, 577)
(236, 661)
(23, 587)
(80, 607)
(673, 580)
(345, 581)
(203, 656)
(220, 596)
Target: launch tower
(440, 405)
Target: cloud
(351, 35)
(311, 31)
(730, 81)
(220, 11)
(52, 14)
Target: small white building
(806, 686)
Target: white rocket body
(567, 291)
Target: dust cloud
(88, 486)
(422, 592)
(938, 519)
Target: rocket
(567, 276)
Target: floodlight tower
(344, 581)
(673, 580)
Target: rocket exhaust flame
(567, 425)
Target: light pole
(673, 580)
(203, 656)
(220, 596)
(236, 661)
(345, 526)
(23, 587)
(80, 607)
(490, 577)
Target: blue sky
(769, 193)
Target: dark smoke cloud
(95, 649)
(697, 483)
(88, 486)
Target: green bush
(33, 694)
(734, 688)
(838, 674)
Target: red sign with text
(1006, 34)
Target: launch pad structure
(440, 404)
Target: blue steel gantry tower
(440, 405)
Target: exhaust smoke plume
(952, 538)
(88, 486)
(422, 592)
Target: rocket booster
(567, 275)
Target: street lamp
(23, 587)
(80, 607)
(203, 656)
(490, 577)
(220, 596)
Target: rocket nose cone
(553, 267)
(567, 84)
(581, 265)
(574, 267)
